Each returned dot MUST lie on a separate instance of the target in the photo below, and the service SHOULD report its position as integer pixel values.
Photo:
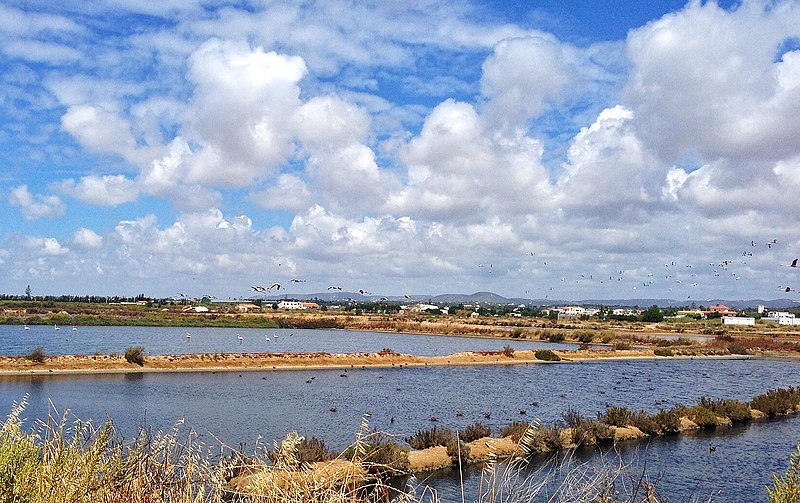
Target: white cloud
(44, 246)
(609, 174)
(289, 193)
(705, 80)
(520, 77)
(241, 109)
(108, 190)
(460, 170)
(34, 206)
(99, 130)
(329, 122)
(87, 238)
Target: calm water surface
(15, 340)
(238, 408)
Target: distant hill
(490, 298)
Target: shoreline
(77, 365)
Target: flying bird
(296, 280)
(258, 288)
(332, 287)
(793, 264)
(275, 286)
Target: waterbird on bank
(240, 338)
(188, 335)
(26, 327)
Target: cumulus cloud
(459, 169)
(520, 77)
(34, 206)
(44, 246)
(108, 190)
(289, 193)
(609, 174)
(242, 105)
(708, 80)
(87, 238)
(99, 130)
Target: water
(15, 340)
(239, 408)
(682, 467)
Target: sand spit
(216, 362)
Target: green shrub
(456, 448)
(516, 333)
(514, 430)
(622, 346)
(786, 488)
(475, 431)
(663, 352)
(384, 456)
(135, 354)
(777, 401)
(431, 437)
(703, 417)
(508, 351)
(668, 421)
(738, 349)
(584, 336)
(313, 450)
(615, 416)
(37, 355)
(556, 337)
(585, 431)
(735, 410)
(583, 346)
(644, 422)
(546, 355)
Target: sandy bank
(95, 364)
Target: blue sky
(572, 150)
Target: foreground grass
(64, 460)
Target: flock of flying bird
(678, 275)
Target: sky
(563, 149)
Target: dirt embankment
(77, 364)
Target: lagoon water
(87, 340)
(241, 407)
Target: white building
(738, 320)
(782, 318)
